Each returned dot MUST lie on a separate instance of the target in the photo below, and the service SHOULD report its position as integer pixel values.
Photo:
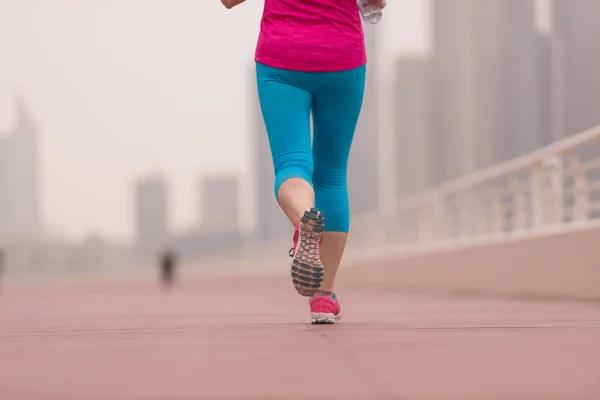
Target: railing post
(482, 221)
(464, 217)
(425, 222)
(519, 203)
(431, 221)
(496, 209)
(547, 192)
(581, 188)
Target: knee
(293, 165)
(294, 161)
(330, 177)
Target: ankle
(324, 292)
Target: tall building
(363, 166)
(413, 112)
(576, 31)
(487, 93)
(271, 224)
(20, 177)
(453, 108)
(5, 194)
(550, 119)
(220, 210)
(522, 78)
(151, 216)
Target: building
(487, 105)
(413, 133)
(218, 228)
(576, 32)
(5, 192)
(550, 119)
(522, 78)
(363, 165)
(220, 205)
(576, 62)
(152, 225)
(20, 178)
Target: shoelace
(291, 252)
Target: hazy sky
(126, 87)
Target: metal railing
(552, 188)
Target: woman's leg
(286, 112)
(336, 107)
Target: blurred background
(130, 127)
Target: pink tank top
(311, 35)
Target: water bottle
(371, 14)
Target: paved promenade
(250, 338)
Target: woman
(311, 59)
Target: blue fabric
(287, 99)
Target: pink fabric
(311, 35)
(325, 305)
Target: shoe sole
(325, 318)
(307, 269)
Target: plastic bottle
(371, 14)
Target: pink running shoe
(307, 269)
(325, 309)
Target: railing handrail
(499, 170)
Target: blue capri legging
(287, 99)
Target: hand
(379, 3)
(231, 3)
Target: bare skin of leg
(332, 250)
(296, 196)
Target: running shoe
(307, 269)
(325, 309)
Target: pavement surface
(251, 338)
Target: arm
(379, 3)
(231, 3)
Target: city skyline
(217, 212)
(104, 115)
(485, 64)
(495, 87)
(112, 98)
(20, 176)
